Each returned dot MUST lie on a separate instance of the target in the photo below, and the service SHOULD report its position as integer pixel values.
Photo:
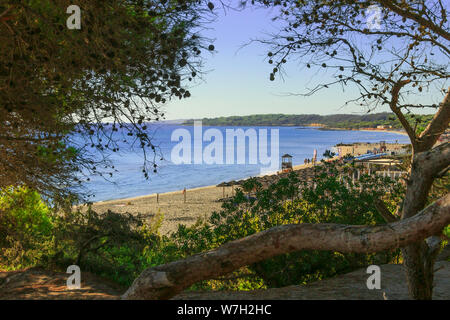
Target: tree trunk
(419, 257)
(420, 279)
(165, 281)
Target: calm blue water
(130, 182)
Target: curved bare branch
(165, 281)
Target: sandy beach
(402, 132)
(200, 203)
(384, 130)
(177, 208)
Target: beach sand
(385, 130)
(200, 203)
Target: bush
(117, 246)
(121, 246)
(330, 200)
(112, 245)
(25, 227)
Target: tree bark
(165, 281)
(418, 257)
(436, 28)
(436, 127)
(424, 167)
(426, 164)
(384, 211)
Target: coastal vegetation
(131, 57)
(329, 154)
(120, 246)
(326, 201)
(339, 121)
(399, 64)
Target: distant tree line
(332, 121)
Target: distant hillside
(330, 121)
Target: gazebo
(286, 163)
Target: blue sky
(237, 79)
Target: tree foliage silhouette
(69, 94)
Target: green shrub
(121, 246)
(329, 201)
(117, 246)
(25, 227)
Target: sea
(300, 142)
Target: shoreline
(153, 195)
(176, 207)
(180, 191)
(173, 207)
(294, 167)
(317, 127)
(403, 133)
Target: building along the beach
(360, 148)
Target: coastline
(363, 130)
(388, 131)
(179, 208)
(295, 167)
(175, 207)
(179, 191)
(170, 206)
